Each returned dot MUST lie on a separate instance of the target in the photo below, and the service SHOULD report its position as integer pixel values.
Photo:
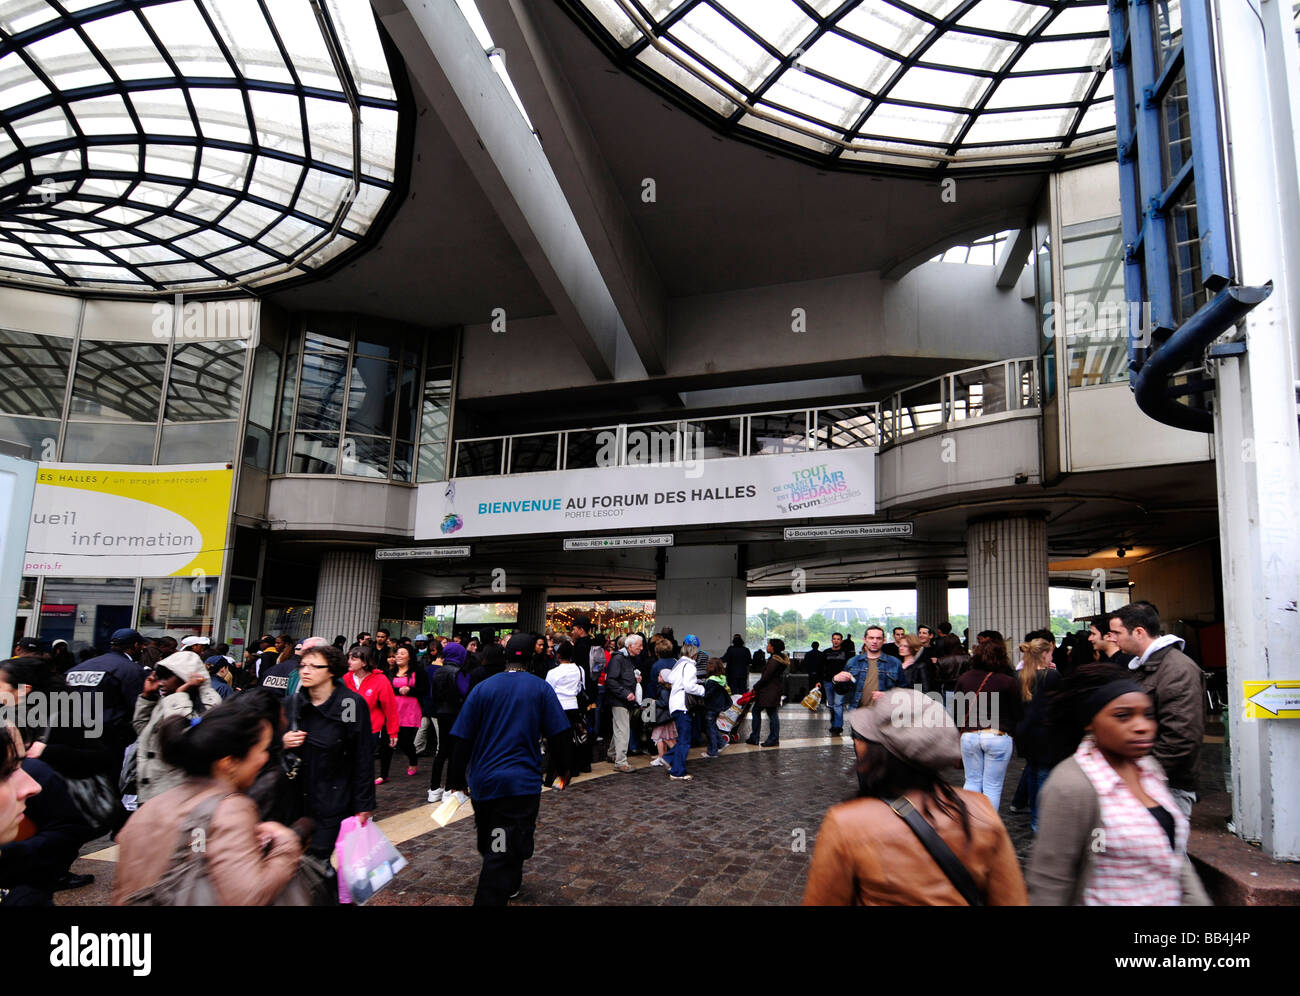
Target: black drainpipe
(1151, 387)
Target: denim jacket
(888, 669)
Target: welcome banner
(115, 521)
(788, 486)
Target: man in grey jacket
(1173, 680)
(620, 693)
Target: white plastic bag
(367, 859)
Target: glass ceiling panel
(170, 207)
(963, 61)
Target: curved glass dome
(189, 145)
(925, 84)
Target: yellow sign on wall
(1272, 699)
(115, 521)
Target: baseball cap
(912, 726)
(194, 641)
(125, 636)
(217, 660)
(29, 643)
(519, 646)
(691, 640)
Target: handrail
(882, 426)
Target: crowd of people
(270, 753)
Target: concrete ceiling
(726, 215)
(445, 258)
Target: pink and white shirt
(1134, 864)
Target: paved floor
(742, 831)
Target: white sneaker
(435, 795)
(658, 762)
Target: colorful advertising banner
(116, 521)
(786, 486)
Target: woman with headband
(1109, 832)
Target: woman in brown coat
(867, 854)
(768, 694)
(249, 863)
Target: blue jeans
(677, 756)
(772, 718)
(1035, 778)
(711, 728)
(986, 758)
(835, 702)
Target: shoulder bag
(185, 882)
(941, 852)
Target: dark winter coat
(336, 779)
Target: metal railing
(1006, 387)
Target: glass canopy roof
(189, 145)
(925, 84)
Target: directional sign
(1272, 699)
(617, 542)
(422, 552)
(848, 532)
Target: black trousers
(505, 839)
(405, 743)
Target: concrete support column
(931, 600)
(1006, 562)
(1257, 451)
(700, 593)
(532, 610)
(347, 594)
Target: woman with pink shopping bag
(329, 749)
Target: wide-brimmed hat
(913, 727)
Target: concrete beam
(446, 61)
(1012, 263)
(584, 176)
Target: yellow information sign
(1272, 699)
(115, 521)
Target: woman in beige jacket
(249, 863)
(179, 686)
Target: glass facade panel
(85, 611)
(293, 620)
(314, 453)
(587, 448)
(841, 428)
(365, 456)
(1185, 255)
(712, 438)
(324, 383)
(35, 371)
(778, 433)
(435, 423)
(479, 457)
(402, 461)
(118, 380)
(1176, 126)
(198, 442)
(529, 454)
(40, 434)
(1095, 319)
(979, 392)
(920, 408)
(108, 442)
(1167, 17)
(651, 444)
(372, 394)
(206, 381)
(181, 606)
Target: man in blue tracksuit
(889, 669)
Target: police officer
(110, 685)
